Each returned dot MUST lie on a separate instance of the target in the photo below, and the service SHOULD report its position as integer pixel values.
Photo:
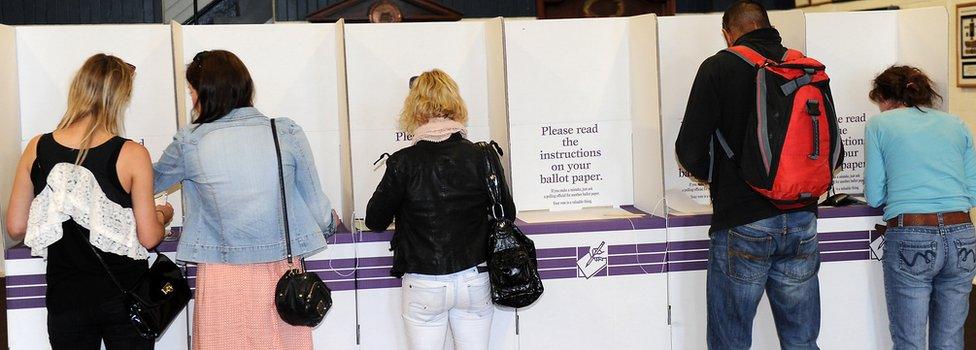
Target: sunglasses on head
(412, 79)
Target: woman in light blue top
(921, 167)
(234, 228)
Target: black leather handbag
(512, 266)
(301, 298)
(157, 298)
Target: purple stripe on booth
(847, 212)
(340, 286)
(391, 282)
(369, 236)
(688, 255)
(554, 274)
(637, 248)
(20, 292)
(636, 269)
(330, 264)
(688, 245)
(19, 251)
(687, 266)
(689, 220)
(557, 263)
(375, 272)
(843, 236)
(23, 280)
(376, 261)
(335, 275)
(168, 246)
(636, 259)
(25, 303)
(556, 252)
(845, 256)
(590, 225)
(341, 238)
(837, 246)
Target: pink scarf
(438, 129)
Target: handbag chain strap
(497, 210)
(284, 202)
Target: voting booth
(585, 145)
(47, 59)
(9, 122)
(298, 74)
(380, 59)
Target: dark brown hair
(222, 83)
(905, 84)
(744, 15)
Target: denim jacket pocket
(966, 254)
(748, 256)
(916, 258)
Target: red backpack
(791, 145)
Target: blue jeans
(928, 274)
(780, 256)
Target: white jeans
(432, 302)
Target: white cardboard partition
(913, 37)
(570, 113)
(381, 58)
(297, 74)
(684, 42)
(48, 58)
(9, 123)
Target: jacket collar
(766, 41)
(241, 114)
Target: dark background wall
(150, 11)
(295, 10)
(80, 11)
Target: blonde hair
(100, 91)
(432, 95)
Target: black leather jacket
(437, 193)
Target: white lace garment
(73, 193)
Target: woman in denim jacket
(233, 227)
(921, 166)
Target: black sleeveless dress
(75, 278)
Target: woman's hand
(164, 214)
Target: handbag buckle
(167, 288)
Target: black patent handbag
(301, 297)
(157, 298)
(512, 266)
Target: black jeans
(86, 326)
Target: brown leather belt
(951, 218)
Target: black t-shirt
(75, 278)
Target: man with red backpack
(760, 127)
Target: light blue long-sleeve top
(919, 160)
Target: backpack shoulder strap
(791, 55)
(749, 55)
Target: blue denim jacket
(230, 184)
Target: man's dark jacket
(723, 97)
